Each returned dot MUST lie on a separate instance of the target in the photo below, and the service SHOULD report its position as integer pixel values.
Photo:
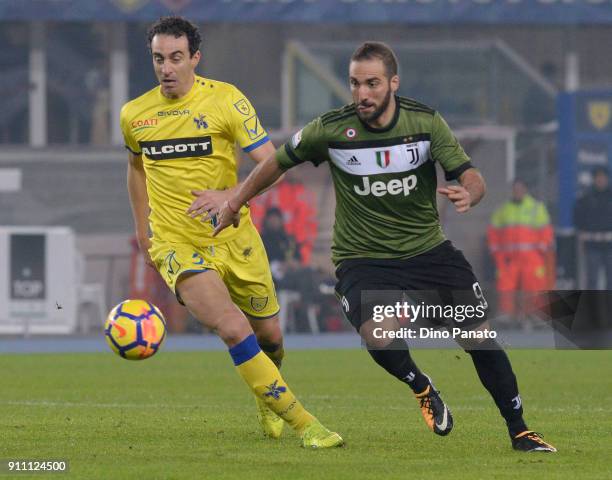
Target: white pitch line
(45, 403)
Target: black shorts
(440, 277)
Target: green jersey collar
(391, 124)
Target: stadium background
(494, 69)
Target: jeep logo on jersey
(177, 148)
(392, 187)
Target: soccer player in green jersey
(382, 151)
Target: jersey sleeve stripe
(294, 158)
(258, 143)
(328, 120)
(456, 173)
(338, 112)
(414, 109)
(135, 153)
(408, 102)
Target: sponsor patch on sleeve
(243, 107)
(253, 128)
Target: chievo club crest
(383, 158)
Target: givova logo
(177, 148)
(173, 113)
(379, 188)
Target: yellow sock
(264, 379)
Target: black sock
(495, 373)
(396, 359)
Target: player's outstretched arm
(139, 201)
(260, 155)
(262, 177)
(207, 203)
(470, 191)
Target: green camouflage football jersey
(385, 179)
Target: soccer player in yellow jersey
(181, 138)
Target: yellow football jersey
(189, 144)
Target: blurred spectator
(593, 221)
(302, 293)
(282, 248)
(298, 206)
(520, 239)
(96, 84)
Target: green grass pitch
(188, 415)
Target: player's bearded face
(371, 89)
(173, 65)
(373, 114)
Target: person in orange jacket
(520, 238)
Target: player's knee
(482, 339)
(482, 345)
(376, 336)
(232, 328)
(267, 331)
(270, 336)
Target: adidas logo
(353, 161)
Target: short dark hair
(274, 212)
(176, 26)
(379, 50)
(600, 170)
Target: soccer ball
(135, 329)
